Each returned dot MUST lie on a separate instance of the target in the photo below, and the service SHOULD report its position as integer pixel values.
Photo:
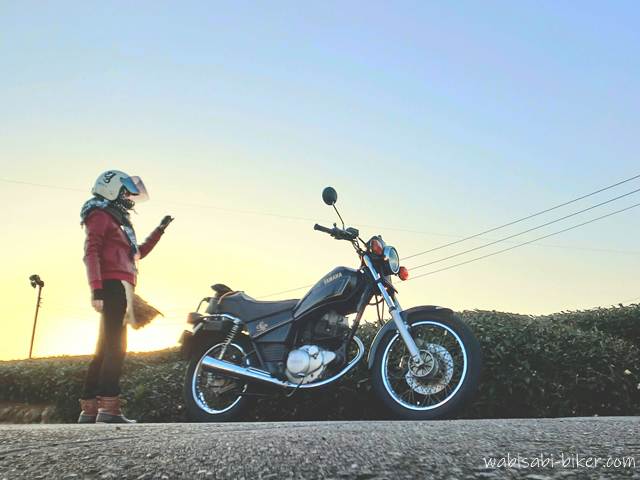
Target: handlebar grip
(322, 229)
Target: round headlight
(392, 258)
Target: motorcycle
(424, 363)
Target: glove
(165, 222)
(97, 299)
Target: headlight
(392, 258)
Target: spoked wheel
(434, 388)
(212, 396)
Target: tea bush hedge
(567, 364)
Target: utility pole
(35, 281)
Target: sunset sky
(433, 122)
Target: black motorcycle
(425, 363)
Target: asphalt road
(340, 450)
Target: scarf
(118, 212)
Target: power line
(588, 249)
(289, 217)
(526, 243)
(528, 230)
(56, 187)
(524, 218)
(230, 210)
(511, 236)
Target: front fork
(396, 313)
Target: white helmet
(110, 183)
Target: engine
(307, 363)
(330, 326)
(319, 337)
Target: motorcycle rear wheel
(211, 396)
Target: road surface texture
(340, 450)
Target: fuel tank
(341, 285)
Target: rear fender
(206, 328)
(411, 315)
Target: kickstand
(289, 395)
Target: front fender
(411, 315)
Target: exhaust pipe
(257, 375)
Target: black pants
(103, 376)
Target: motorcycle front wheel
(442, 383)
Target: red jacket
(107, 252)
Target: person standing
(111, 253)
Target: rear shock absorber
(230, 337)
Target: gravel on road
(515, 448)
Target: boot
(109, 411)
(89, 411)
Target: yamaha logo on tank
(332, 278)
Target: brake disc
(434, 385)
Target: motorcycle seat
(248, 309)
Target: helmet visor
(136, 187)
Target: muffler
(257, 375)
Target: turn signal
(403, 273)
(376, 246)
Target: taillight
(376, 246)
(403, 273)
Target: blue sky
(447, 119)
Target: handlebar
(339, 233)
(320, 228)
